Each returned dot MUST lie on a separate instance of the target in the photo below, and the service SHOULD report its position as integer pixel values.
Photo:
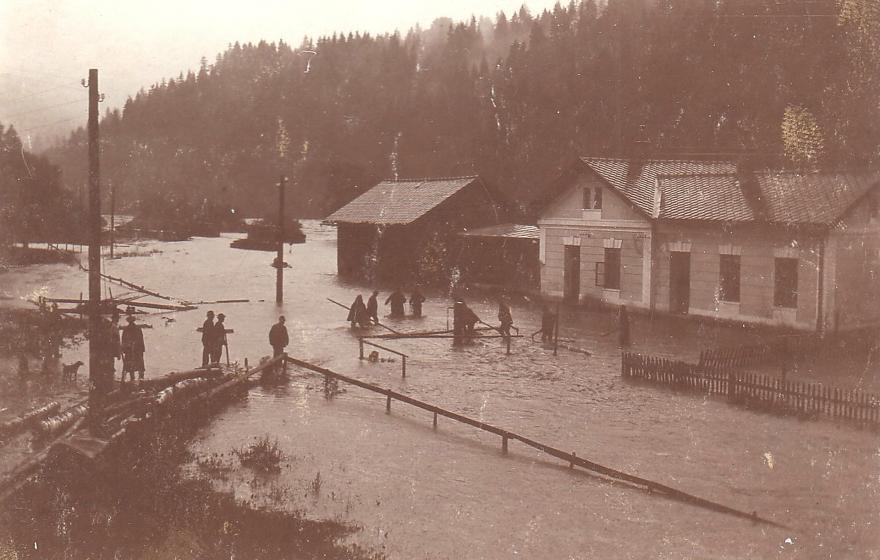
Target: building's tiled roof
(399, 202)
(510, 231)
(715, 191)
(783, 198)
(635, 179)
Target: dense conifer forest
(514, 99)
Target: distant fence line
(756, 391)
(780, 350)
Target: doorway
(679, 281)
(571, 276)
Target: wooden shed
(405, 231)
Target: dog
(69, 371)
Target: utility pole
(112, 217)
(279, 259)
(96, 343)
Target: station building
(710, 238)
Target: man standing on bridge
(278, 338)
(207, 331)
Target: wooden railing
(571, 458)
(403, 356)
(758, 391)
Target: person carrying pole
(396, 299)
(207, 330)
(415, 302)
(373, 307)
(548, 323)
(132, 349)
(357, 313)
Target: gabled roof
(399, 202)
(636, 179)
(716, 191)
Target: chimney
(642, 145)
(751, 189)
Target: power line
(37, 110)
(48, 124)
(31, 95)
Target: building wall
(616, 225)
(853, 255)
(757, 246)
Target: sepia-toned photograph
(464, 280)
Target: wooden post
(573, 457)
(97, 381)
(245, 364)
(508, 345)
(403, 365)
(283, 362)
(435, 420)
(556, 332)
(504, 445)
(388, 403)
(112, 217)
(361, 344)
(279, 259)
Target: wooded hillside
(512, 99)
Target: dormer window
(592, 198)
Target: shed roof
(510, 231)
(400, 202)
(715, 191)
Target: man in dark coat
(357, 313)
(219, 339)
(132, 349)
(207, 331)
(415, 302)
(396, 299)
(278, 338)
(463, 321)
(373, 308)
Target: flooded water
(450, 493)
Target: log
(28, 419)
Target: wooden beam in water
(570, 458)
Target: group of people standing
(214, 339)
(365, 315)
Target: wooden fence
(757, 391)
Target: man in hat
(132, 349)
(278, 338)
(207, 330)
(373, 307)
(219, 339)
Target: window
(610, 270)
(729, 278)
(592, 198)
(785, 284)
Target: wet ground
(417, 493)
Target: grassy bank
(136, 504)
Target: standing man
(373, 308)
(132, 349)
(115, 342)
(504, 316)
(415, 302)
(278, 338)
(219, 339)
(207, 331)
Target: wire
(31, 95)
(49, 124)
(37, 110)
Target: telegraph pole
(279, 259)
(96, 344)
(112, 217)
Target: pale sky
(47, 46)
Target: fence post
(435, 420)
(504, 445)
(361, 347)
(508, 345)
(403, 365)
(388, 403)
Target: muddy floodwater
(419, 493)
